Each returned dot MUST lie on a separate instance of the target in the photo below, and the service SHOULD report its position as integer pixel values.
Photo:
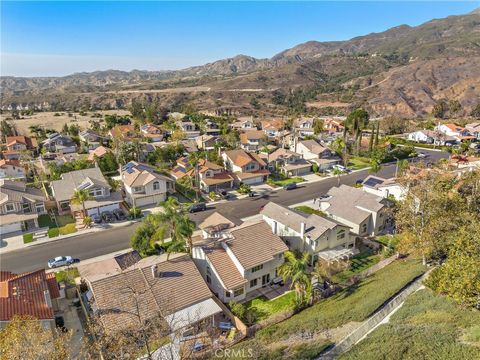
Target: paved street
(101, 243)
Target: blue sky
(59, 38)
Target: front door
(265, 279)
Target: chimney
(274, 227)
(48, 299)
(154, 269)
(302, 229)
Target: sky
(61, 38)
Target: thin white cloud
(13, 64)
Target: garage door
(101, 209)
(8, 228)
(150, 200)
(253, 181)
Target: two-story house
(252, 140)
(333, 125)
(211, 128)
(288, 163)
(92, 179)
(152, 132)
(213, 177)
(124, 133)
(364, 213)
(20, 206)
(474, 129)
(11, 169)
(92, 139)
(188, 127)
(458, 132)
(314, 234)
(59, 143)
(311, 149)
(17, 145)
(246, 167)
(144, 186)
(206, 142)
(244, 124)
(304, 126)
(235, 261)
(273, 129)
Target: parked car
(359, 182)
(290, 186)
(60, 261)
(224, 194)
(421, 155)
(107, 216)
(96, 218)
(252, 194)
(119, 214)
(197, 207)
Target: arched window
(156, 185)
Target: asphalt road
(105, 242)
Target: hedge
(53, 232)
(27, 238)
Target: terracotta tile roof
(255, 244)
(239, 157)
(9, 162)
(220, 178)
(24, 294)
(28, 141)
(177, 286)
(276, 124)
(216, 220)
(224, 267)
(454, 127)
(251, 135)
(99, 152)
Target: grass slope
(427, 326)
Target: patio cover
(336, 254)
(192, 314)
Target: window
(156, 185)
(96, 192)
(364, 228)
(238, 292)
(227, 293)
(40, 207)
(257, 268)
(340, 234)
(380, 215)
(10, 208)
(65, 205)
(137, 189)
(253, 283)
(26, 208)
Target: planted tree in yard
(375, 166)
(337, 172)
(79, 197)
(295, 269)
(356, 122)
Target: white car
(421, 155)
(60, 261)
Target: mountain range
(402, 71)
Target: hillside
(400, 71)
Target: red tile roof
(23, 294)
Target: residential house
(12, 169)
(213, 177)
(120, 292)
(206, 142)
(458, 132)
(273, 129)
(333, 125)
(181, 169)
(247, 168)
(34, 294)
(92, 179)
(144, 185)
(211, 128)
(288, 163)
(60, 143)
(151, 132)
(188, 127)
(16, 145)
(244, 124)
(237, 261)
(98, 152)
(20, 206)
(312, 150)
(423, 136)
(190, 145)
(124, 133)
(385, 188)
(364, 213)
(474, 129)
(319, 236)
(252, 140)
(92, 139)
(304, 126)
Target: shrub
(27, 238)
(67, 229)
(244, 189)
(87, 221)
(212, 195)
(135, 212)
(53, 232)
(237, 309)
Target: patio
(270, 292)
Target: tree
(476, 111)
(6, 129)
(440, 109)
(318, 126)
(24, 338)
(376, 135)
(65, 129)
(295, 269)
(324, 271)
(370, 143)
(375, 166)
(79, 197)
(337, 172)
(107, 163)
(454, 107)
(356, 122)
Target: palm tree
(337, 172)
(79, 197)
(193, 160)
(295, 269)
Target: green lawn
(67, 275)
(264, 308)
(427, 326)
(282, 182)
(357, 162)
(358, 263)
(308, 210)
(388, 240)
(355, 303)
(45, 220)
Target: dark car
(197, 207)
(107, 216)
(119, 214)
(290, 186)
(224, 194)
(96, 219)
(359, 182)
(252, 194)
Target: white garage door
(101, 209)
(253, 181)
(150, 200)
(8, 228)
